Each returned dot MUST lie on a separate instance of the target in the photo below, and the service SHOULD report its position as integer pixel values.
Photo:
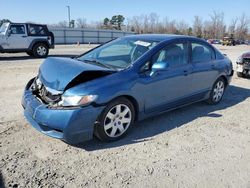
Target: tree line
(212, 28)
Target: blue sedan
(104, 91)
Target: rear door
(17, 37)
(204, 67)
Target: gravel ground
(196, 146)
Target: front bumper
(242, 67)
(71, 125)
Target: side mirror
(159, 66)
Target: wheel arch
(225, 79)
(132, 100)
(34, 42)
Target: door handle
(185, 72)
(24, 36)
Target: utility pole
(69, 14)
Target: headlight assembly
(74, 101)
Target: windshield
(119, 53)
(3, 28)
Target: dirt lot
(196, 146)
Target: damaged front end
(46, 95)
(58, 99)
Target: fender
(38, 41)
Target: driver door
(168, 88)
(17, 37)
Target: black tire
(241, 74)
(30, 53)
(102, 130)
(40, 50)
(213, 99)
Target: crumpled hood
(57, 73)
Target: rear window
(39, 30)
(202, 53)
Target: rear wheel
(115, 120)
(217, 91)
(40, 50)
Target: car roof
(159, 37)
(26, 23)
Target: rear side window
(202, 53)
(175, 54)
(17, 29)
(38, 30)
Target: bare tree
(197, 26)
(217, 24)
(182, 27)
(136, 23)
(242, 28)
(232, 26)
(81, 23)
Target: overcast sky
(53, 11)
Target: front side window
(202, 53)
(175, 55)
(119, 53)
(17, 29)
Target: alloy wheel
(117, 120)
(41, 50)
(218, 91)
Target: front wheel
(115, 120)
(40, 50)
(217, 91)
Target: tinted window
(37, 30)
(202, 53)
(175, 54)
(17, 29)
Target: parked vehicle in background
(214, 41)
(243, 65)
(228, 41)
(104, 91)
(34, 39)
(247, 42)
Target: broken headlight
(239, 60)
(36, 85)
(73, 101)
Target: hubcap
(117, 120)
(218, 91)
(41, 50)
